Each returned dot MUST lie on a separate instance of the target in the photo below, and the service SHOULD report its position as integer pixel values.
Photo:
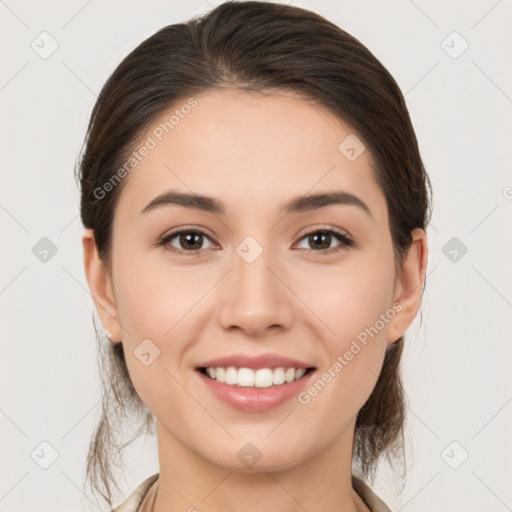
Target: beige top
(141, 499)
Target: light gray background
(457, 361)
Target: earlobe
(409, 285)
(100, 286)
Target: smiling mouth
(259, 378)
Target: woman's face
(256, 284)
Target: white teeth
(263, 378)
(299, 373)
(220, 374)
(290, 375)
(247, 377)
(231, 376)
(278, 376)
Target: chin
(249, 457)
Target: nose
(255, 297)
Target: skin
(253, 152)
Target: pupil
(190, 238)
(324, 236)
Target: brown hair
(253, 46)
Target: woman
(255, 208)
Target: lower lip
(255, 399)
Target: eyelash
(345, 241)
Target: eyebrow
(296, 205)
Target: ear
(100, 286)
(409, 285)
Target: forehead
(248, 148)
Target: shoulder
(373, 502)
(135, 499)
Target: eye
(191, 241)
(186, 239)
(321, 240)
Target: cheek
(152, 298)
(355, 305)
(349, 297)
(158, 308)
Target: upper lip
(254, 362)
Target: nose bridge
(252, 275)
(255, 298)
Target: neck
(190, 482)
